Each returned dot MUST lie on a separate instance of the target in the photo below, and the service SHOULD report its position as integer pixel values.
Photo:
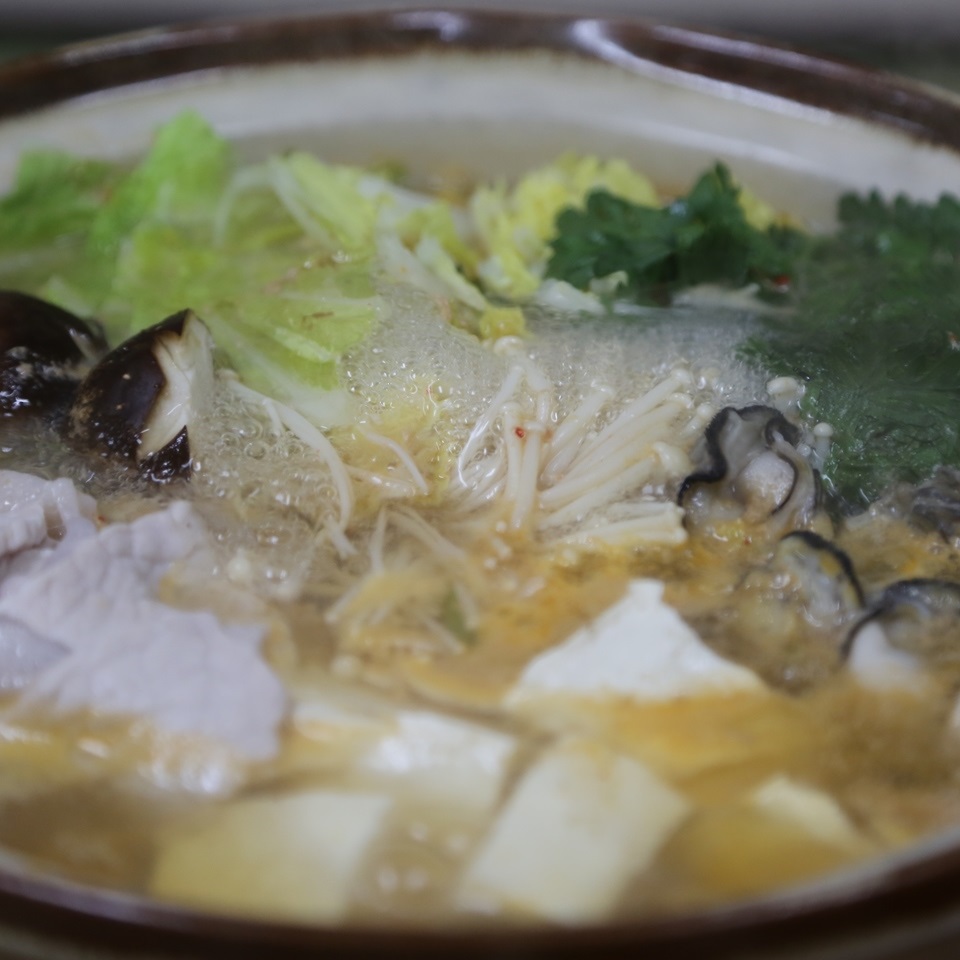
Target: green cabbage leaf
(278, 259)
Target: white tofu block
(289, 857)
(581, 823)
(639, 648)
(417, 752)
(451, 761)
(805, 807)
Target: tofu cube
(807, 808)
(639, 648)
(580, 824)
(288, 857)
(448, 760)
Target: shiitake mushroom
(136, 405)
(44, 353)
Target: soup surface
(552, 551)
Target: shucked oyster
(794, 612)
(751, 473)
(908, 609)
(935, 504)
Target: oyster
(920, 617)
(752, 474)
(793, 613)
(935, 505)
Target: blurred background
(919, 38)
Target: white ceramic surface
(500, 114)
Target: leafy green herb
(875, 333)
(703, 237)
(875, 340)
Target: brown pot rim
(921, 893)
(34, 82)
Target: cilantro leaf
(875, 340)
(703, 237)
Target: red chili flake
(520, 432)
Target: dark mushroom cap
(136, 403)
(44, 352)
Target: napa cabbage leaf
(180, 180)
(46, 217)
(278, 259)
